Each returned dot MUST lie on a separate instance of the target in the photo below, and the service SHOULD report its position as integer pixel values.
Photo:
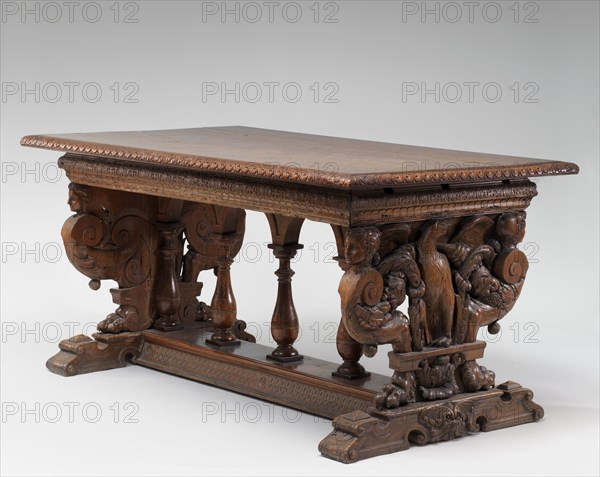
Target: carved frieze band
(454, 202)
(272, 198)
(334, 207)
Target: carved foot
(222, 338)
(168, 323)
(476, 377)
(113, 323)
(360, 435)
(285, 354)
(82, 354)
(351, 370)
(398, 392)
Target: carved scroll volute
(348, 348)
(369, 315)
(363, 288)
(79, 232)
(361, 284)
(82, 232)
(488, 270)
(511, 264)
(111, 236)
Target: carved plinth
(82, 354)
(362, 434)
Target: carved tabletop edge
(339, 180)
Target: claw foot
(113, 323)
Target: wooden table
(432, 232)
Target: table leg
(223, 306)
(285, 232)
(167, 294)
(228, 229)
(112, 235)
(458, 275)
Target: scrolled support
(111, 236)
(458, 274)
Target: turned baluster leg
(223, 305)
(284, 323)
(285, 232)
(167, 292)
(348, 348)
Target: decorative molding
(455, 202)
(293, 200)
(331, 206)
(298, 175)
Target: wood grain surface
(301, 158)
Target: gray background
(542, 57)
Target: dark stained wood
(295, 157)
(429, 256)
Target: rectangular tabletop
(339, 163)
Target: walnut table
(434, 232)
